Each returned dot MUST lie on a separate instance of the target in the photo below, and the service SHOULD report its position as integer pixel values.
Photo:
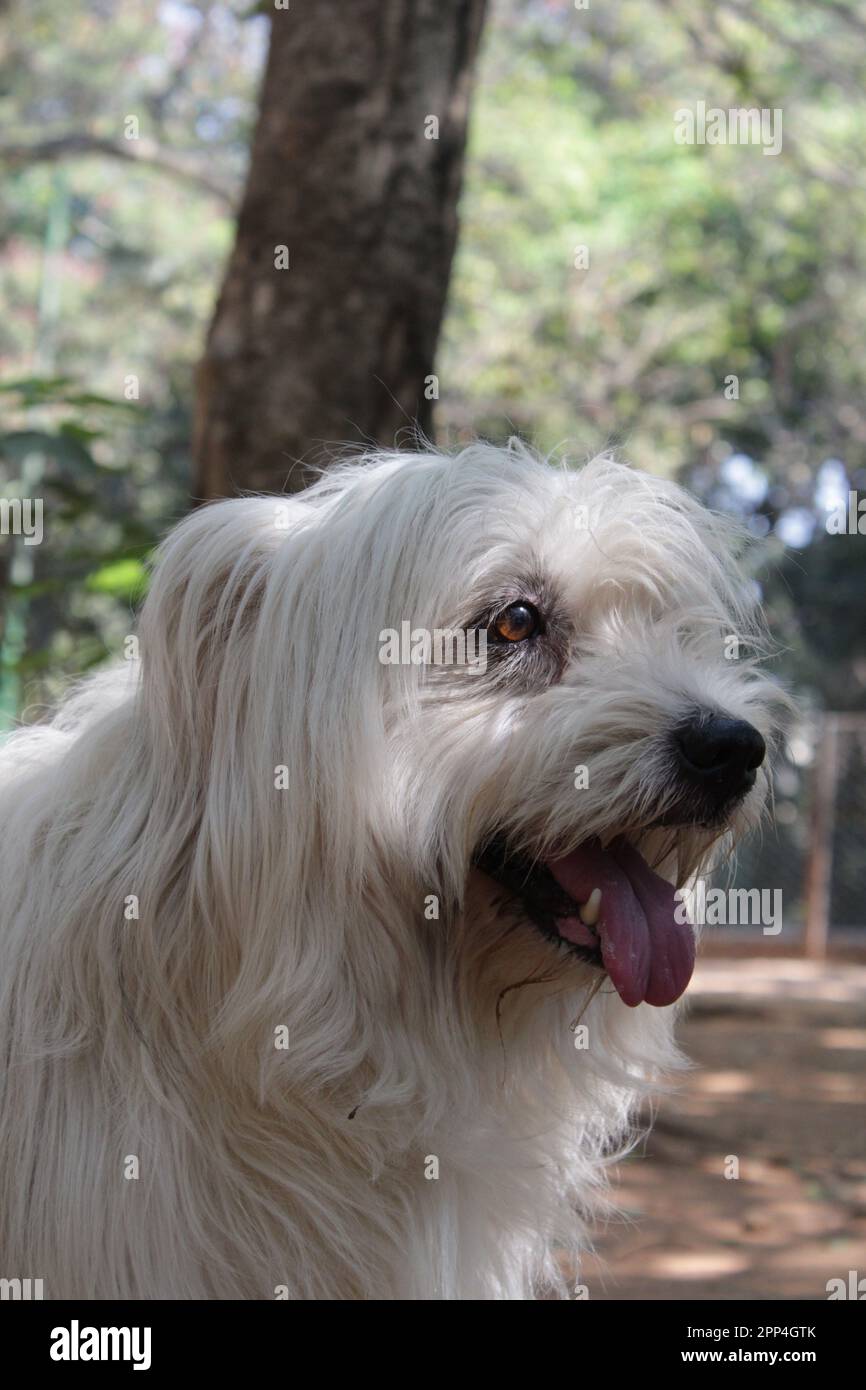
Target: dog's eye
(518, 622)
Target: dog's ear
(208, 582)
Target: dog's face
(547, 804)
(614, 735)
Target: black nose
(719, 751)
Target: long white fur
(307, 1169)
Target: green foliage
(108, 271)
(67, 600)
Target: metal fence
(813, 850)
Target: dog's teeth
(591, 909)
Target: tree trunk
(346, 184)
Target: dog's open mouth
(611, 908)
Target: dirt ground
(779, 1085)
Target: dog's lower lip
(543, 901)
(643, 943)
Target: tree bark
(344, 175)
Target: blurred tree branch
(847, 15)
(811, 57)
(74, 144)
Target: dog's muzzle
(605, 901)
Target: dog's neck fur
(444, 1139)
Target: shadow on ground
(778, 1085)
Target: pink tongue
(647, 953)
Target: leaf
(62, 390)
(18, 445)
(122, 579)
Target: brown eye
(518, 622)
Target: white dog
(325, 975)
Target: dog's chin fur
(430, 1130)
